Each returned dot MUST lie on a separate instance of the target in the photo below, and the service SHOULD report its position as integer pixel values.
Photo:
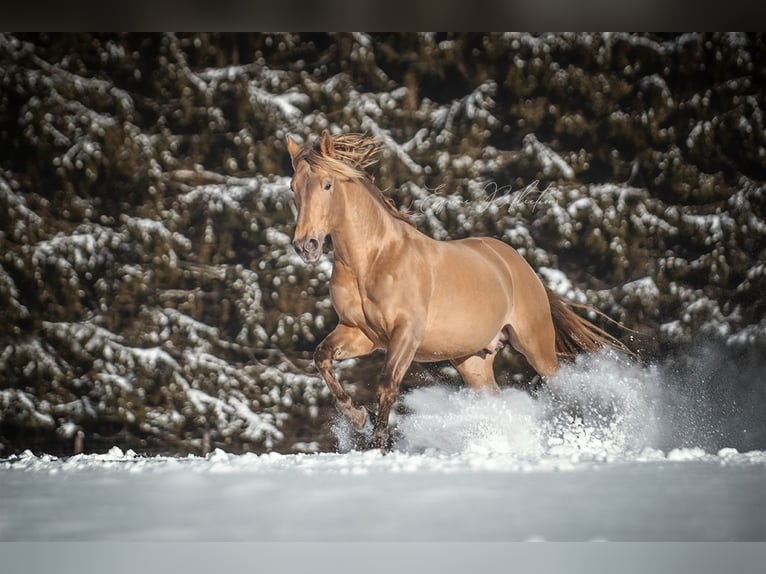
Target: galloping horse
(419, 299)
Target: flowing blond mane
(348, 156)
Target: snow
(288, 104)
(466, 467)
(645, 289)
(684, 495)
(550, 162)
(560, 284)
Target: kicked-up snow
(590, 457)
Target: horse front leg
(345, 342)
(401, 352)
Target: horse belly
(468, 312)
(456, 338)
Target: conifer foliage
(150, 293)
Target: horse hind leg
(477, 372)
(538, 345)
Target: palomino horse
(395, 288)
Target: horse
(418, 299)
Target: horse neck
(364, 227)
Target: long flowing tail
(574, 334)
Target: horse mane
(348, 158)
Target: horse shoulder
(399, 284)
(345, 296)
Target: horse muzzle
(309, 248)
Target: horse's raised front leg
(401, 352)
(345, 342)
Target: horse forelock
(348, 156)
(355, 150)
(336, 167)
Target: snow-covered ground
(685, 495)
(587, 459)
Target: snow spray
(602, 406)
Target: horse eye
(327, 185)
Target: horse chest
(363, 306)
(348, 306)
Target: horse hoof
(385, 443)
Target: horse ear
(293, 147)
(325, 145)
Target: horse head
(312, 188)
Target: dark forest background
(150, 295)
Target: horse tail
(575, 334)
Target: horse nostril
(312, 244)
